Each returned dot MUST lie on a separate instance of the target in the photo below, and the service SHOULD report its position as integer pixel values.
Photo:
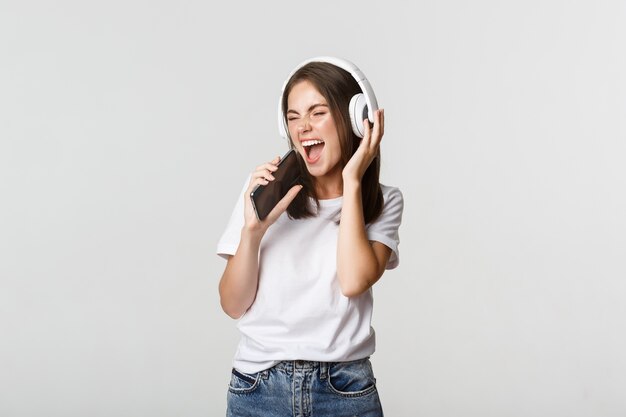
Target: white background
(128, 127)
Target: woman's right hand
(262, 175)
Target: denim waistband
(290, 366)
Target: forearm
(239, 281)
(357, 265)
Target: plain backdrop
(128, 127)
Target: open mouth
(313, 149)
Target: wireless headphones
(361, 105)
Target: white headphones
(361, 104)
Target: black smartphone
(265, 197)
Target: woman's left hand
(367, 150)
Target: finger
(258, 181)
(268, 165)
(376, 134)
(254, 182)
(263, 173)
(284, 203)
(276, 160)
(367, 134)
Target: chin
(319, 171)
(315, 171)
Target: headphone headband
(355, 72)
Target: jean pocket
(242, 383)
(351, 379)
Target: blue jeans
(305, 389)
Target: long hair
(337, 86)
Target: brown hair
(337, 86)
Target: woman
(300, 280)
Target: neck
(327, 188)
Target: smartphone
(265, 197)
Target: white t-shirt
(299, 312)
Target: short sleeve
(385, 228)
(229, 242)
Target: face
(313, 132)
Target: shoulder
(393, 206)
(385, 229)
(392, 196)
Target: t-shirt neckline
(330, 202)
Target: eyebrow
(310, 108)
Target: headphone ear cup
(358, 112)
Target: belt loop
(266, 373)
(323, 370)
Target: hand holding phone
(265, 197)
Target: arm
(360, 263)
(240, 278)
(239, 281)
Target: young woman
(300, 280)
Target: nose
(304, 124)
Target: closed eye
(312, 110)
